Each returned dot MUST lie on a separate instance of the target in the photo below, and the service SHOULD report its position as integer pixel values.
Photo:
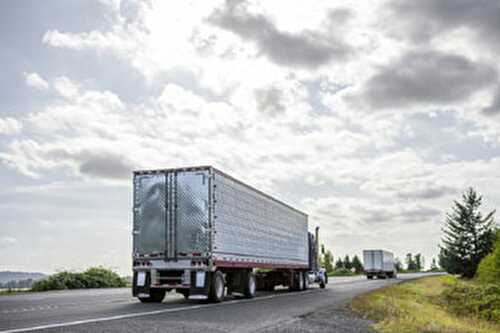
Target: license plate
(200, 279)
(143, 295)
(141, 279)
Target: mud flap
(200, 282)
(141, 284)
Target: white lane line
(149, 313)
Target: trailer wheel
(183, 292)
(250, 285)
(155, 296)
(301, 281)
(296, 283)
(217, 285)
(268, 286)
(306, 281)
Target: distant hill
(7, 276)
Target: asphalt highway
(115, 310)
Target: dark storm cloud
(427, 77)
(270, 101)
(426, 19)
(308, 49)
(105, 165)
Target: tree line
(413, 263)
(345, 264)
(17, 284)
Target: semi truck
(378, 263)
(199, 231)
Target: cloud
(410, 188)
(65, 87)
(10, 126)
(427, 19)
(394, 214)
(427, 77)
(7, 242)
(105, 165)
(494, 108)
(426, 191)
(101, 41)
(307, 49)
(269, 100)
(34, 80)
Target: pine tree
(434, 266)
(398, 265)
(347, 262)
(356, 264)
(468, 236)
(419, 262)
(410, 263)
(339, 264)
(328, 261)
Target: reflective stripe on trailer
(253, 264)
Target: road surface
(114, 310)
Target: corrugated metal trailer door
(193, 218)
(149, 213)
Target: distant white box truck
(379, 263)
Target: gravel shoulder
(331, 319)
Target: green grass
(14, 291)
(342, 272)
(419, 306)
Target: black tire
(250, 285)
(369, 277)
(269, 286)
(296, 282)
(300, 282)
(155, 296)
(306, 281)
(322, 285)
(183, 292)
(217, 286)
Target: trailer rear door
(193, 218)
(149, 214)
(171, 214)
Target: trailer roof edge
(209, 167)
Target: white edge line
(149, 313)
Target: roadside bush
(480, 300)
(489, 268)
(341, 272)
(95, 277)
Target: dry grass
(416, 306)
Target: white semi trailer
(378, 263)
(199, 231)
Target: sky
(370, 116)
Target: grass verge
(419, 306)
(14, 291)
